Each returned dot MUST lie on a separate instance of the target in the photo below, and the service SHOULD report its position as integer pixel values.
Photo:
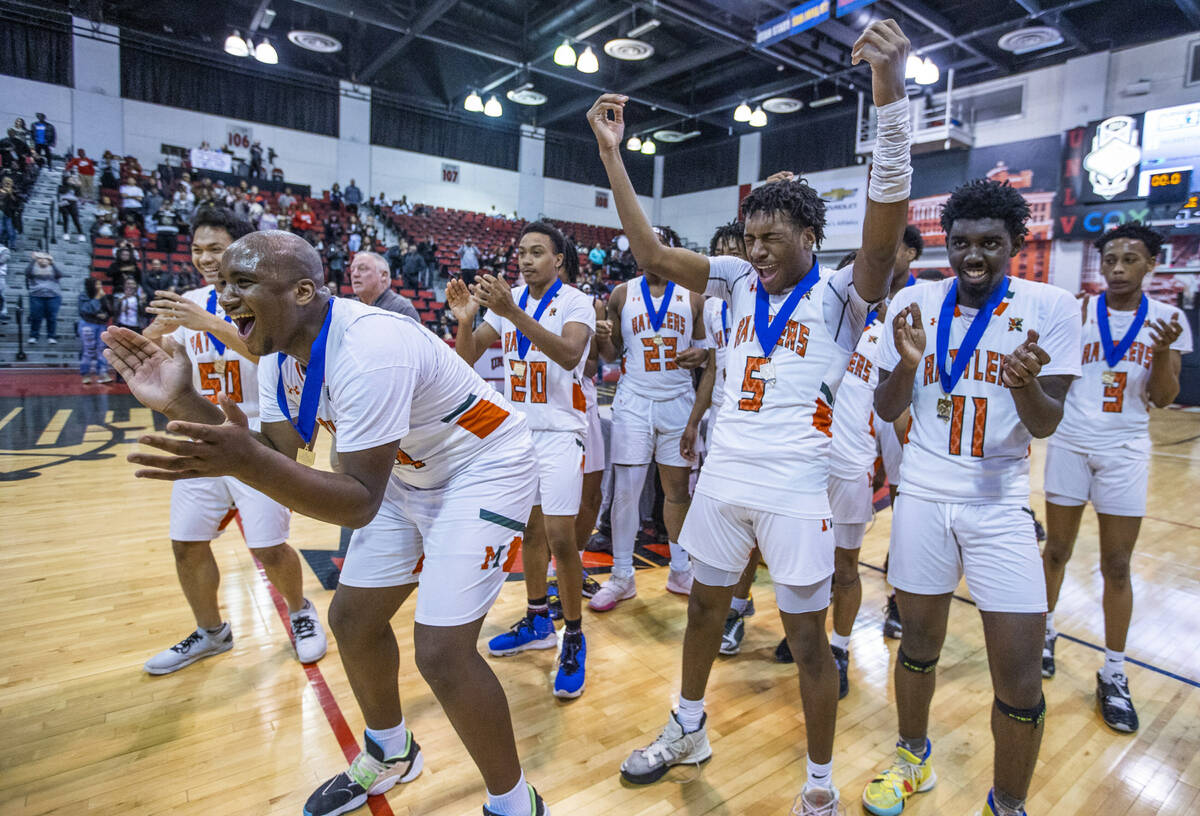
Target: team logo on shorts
(1014, 323)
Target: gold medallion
(306, 456)
(219, 366)
(1108, 377)
(518, 367)
(944, 408)
(658, 339)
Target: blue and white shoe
(369, 774)
(530, 632)
(572, 658)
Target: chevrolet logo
(838, 193)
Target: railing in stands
(20, 314)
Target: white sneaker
(197, 645)
(53, 342)
(680, 581)
(614, 591)
(818, 802)
(673, 747)
(33, 341)
(309, 634)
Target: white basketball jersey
(770, 449)
(717, 333)
(1106, 407)
(852, 452)
(214, 371)
(551, 397)
(648, 366)
(969, 446)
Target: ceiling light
(628, 49)
(236, 46)
(588, 64)
(648, 147)
(675, 136)
(265, 53)
(782, 104)
(742, 113)
(315, 41)
(492, 108)
(758, 118)
(828, 100)
(526, 95)
(913, 66)
(929, 73)
(644, 28)
(634, 144)
(473, 102)
(564, 55)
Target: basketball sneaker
(536, 806)
(553, 601)
(530, 632)
(886, 794)
(842, 658)
(673, 747)
(989, 807)
(572, 658)
(1116, 704)
(783, 652)
(735, 630)
(196, 646)
(308, 634)
(818, 802)
(615, 590)
(891, 619)
(590, 585)
(369, 774)
(1048, 655)
(680, 581)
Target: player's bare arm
(1039, 400)
(893, 395)
(179, 311)
(704, 390)
(469, 342)
(611, 344)
(565, 350)
(695, 355)
(684, 267)
(1166, 363)
(159, 379)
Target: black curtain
(814, 142)
(35, 48)
(478, 142)
(226, 89)
(702, 167)
(578, 160)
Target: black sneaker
(1116, 706)
(600, 542)
(1048, 656)
(783, 652)
(536, 806)
(842, 658)
(891, 619)
(370, 773)
(590, 585)
(735, 630)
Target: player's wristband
(891, 161)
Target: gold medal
(1108, 377)
(518, 367)
(658, 339)
(944, 408)
(768, 371)
(306, 456)
(219, 366)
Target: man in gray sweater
(371, 280)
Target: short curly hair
(1134, 230)
(733, 232)
(913, 240)
(667, 236)
(796, 199)
(984, 198)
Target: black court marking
(1150, 666)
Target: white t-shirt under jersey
(240, 378)
(973, 449)
(388, 378)
(852, 452)
(716, 335)
(648, 366)
(551, 397)
(770, 450)
(1102, 416)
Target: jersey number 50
(210, 380)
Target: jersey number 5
(1114, 394)
(979, 427)
(753, 387)
(210, 380)
(532, 381)
(651, 354)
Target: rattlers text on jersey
(648, 368)
(717, 332)
(215, 371)
(1106, 408)
(770, 448)
(551, 397)
(852, 451)
(389, 378)
(969, 446)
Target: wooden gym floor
(89, 592)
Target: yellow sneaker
(885, 794)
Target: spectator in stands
(166, 236)
(11, 203)
(183, 201)
(86, 168)
(106, 219)
(379, 203)
(335, 197)
(42, 278)
(402, 207)
(157, 279)
(256, 160)
(413, 269)
(353, 196)
(468, 261)
(371, 282)
(597, 257)
(354, 238)
(124, 265)
(131, 198)
(5, 256)
(153, 197)
(336, 258)
(333, 229)
(68, 210)
(108, 170)
(93, 317)
(129, 307)
(19, 135)
(394, 255)
(276, 173)
(285, 200)
(130, 230)
(304, 220)
(268, 220)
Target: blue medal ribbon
(769, 331)
(725, 321)
(314, 378)
(524, 342)
(1113, 353)
(212, 310)
(966, 350)
(874, 313)
(656, 317)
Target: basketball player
(546, 328)
(434, 473)
(765, 478)
(651, 321)
(1100, 453)
(194, 326)
(985, 361)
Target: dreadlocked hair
(570, 260)
(795, 199)
(732, 233)
(984, 198)
(1136, 231)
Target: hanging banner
(844, 7)
(801, 18)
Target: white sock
(820, 776)
(690, 713)
(391, 740)
(513, 803)
(739, 605)
(1050, 630)
(680, 561)
(839, 641)
(1114, 664)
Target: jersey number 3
(1114, 395)
(210, 380)
(978, 429)
(531, 382)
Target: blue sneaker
(569, 682)
(530, 632)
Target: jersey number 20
(532, 382)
